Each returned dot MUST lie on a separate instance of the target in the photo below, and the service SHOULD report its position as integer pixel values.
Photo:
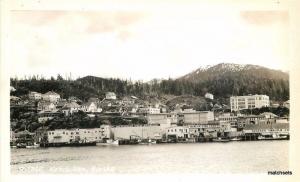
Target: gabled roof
(268, 113)
(51, 93)
(62, 103)
(44, 102)
(88, 103)
(71, 105)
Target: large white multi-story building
(81, 135)
(249, 102)
(196, 117)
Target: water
(232, 157)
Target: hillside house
(35, 96)
(46, 106)
(70, 108)
(90, 107)
(51, 97)
(209, 96)
(110, 96)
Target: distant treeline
(221, 87)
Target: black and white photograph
(148, 88)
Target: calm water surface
(232, 157)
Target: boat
(35, 145)
(21, 145)
(236, 139)
(272, 137)
(109, 142)
(220, 140)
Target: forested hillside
(222, 80)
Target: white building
(249, 102)
(35, 95)
(162, 119)
(198, 117)
(209, 96)
(149, 110)
(178, 132)
(90, 107)
(142, 131)
(51, 96)
(110, 95)
(79, 135)
(70, 108)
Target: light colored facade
(110, 96)
(249, 102)
(79, 135)
(178, 132)
(51, 97)
(90, 107)
(265, 129)
(149, 110)
(142, 131)
(46, 106)
(198, 117)
(209, 96)
(70, 108)
(162, 118)
(35, 96)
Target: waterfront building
(65, 136)
(178, 132)
(209, 96)
(267, 129)
(138, 131)
(249, 102)
(204, 130)
(149, 110)
(110, 96)
(229, 118)
(51, 97)
(35, 96)
(197, 117)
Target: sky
(145, 42)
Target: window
(52, 133)
(63, 132)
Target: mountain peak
(208, 72)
